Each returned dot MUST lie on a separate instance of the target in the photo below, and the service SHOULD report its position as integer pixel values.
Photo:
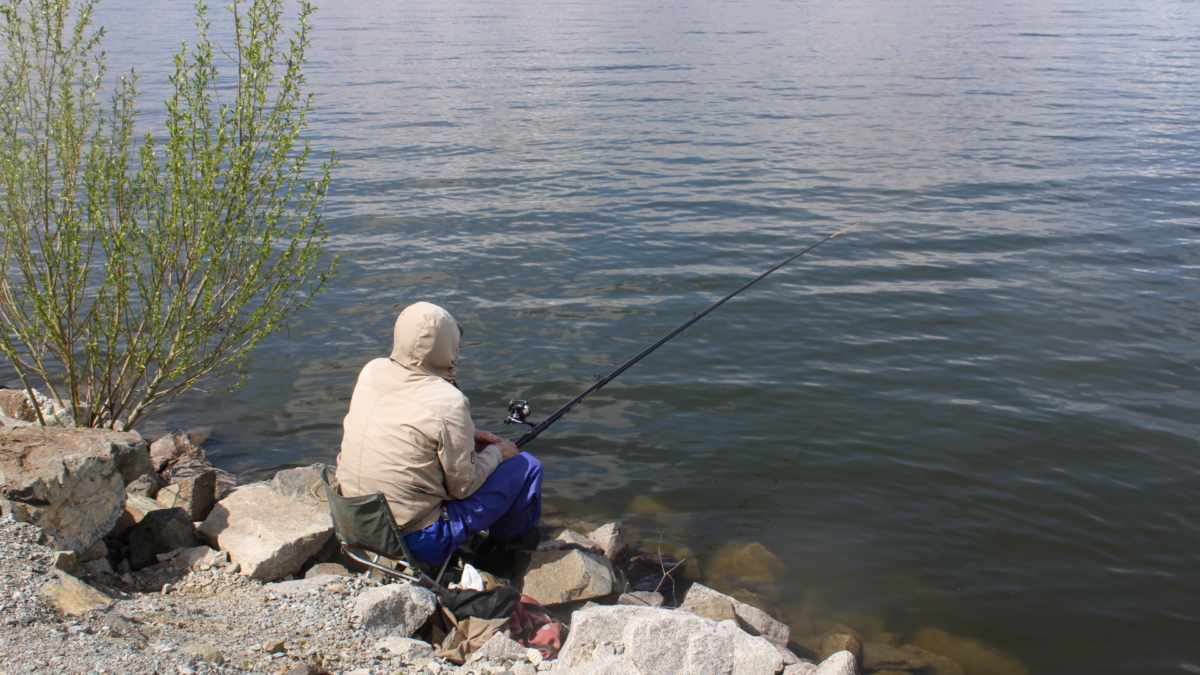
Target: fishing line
(518, 410)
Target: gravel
(146, 631)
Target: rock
(136, 508)
(752, 619)
(394, 609)
(94, 552)
(407, 650)
(877, 656)
(613, 540)
(327, 569)
(499, 647)
(274, 646)
(146, 485)
(974, 656)
(301, 484)
(938, 665)
(199, 556)
(16, 404)
(569, 539)
(69, 482)
(641, 599)
(169, 448)
(160, 531)
(656, 574)
(196, 494)
(554, 577)
(268, 534)
(301, 587)
(194, 463)
(71, 596)
(803, 668)
(124, 627)
(644, 506)
(841, 663)
(205, 652)
(664, 642)
(840, 642)
(715, 608)
(742, 563)
(97, 568)
(67, 561)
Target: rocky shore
(119, 556)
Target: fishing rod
(518, 410)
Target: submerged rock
(938, 665)
(877, 656)
(745, 563)
(974, 656)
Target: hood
(426, 340)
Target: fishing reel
(518, 410)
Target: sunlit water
(976, 412)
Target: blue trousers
(508, 503)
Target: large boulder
(666, 642)
(554, 577)
(395, 609)
(69, 482)
(267, 534)
(752, 619)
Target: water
(975, 412)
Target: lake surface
(975, 412)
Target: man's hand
(484, 439)
(508, 449)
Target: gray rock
(554, 577)
(268, 534)
(878, 656)
(641, 599)
(613, 540)
(301, 483)
(160, 531)
(195, 494)
(394, 609)
(136, 508)
(752, 619)
(573, 540)
(608, 665)
(124, 627)
(407, 650)
(71, 596)
(194, 463)
(16, 404)
(325, 569)
(147, 485)
(94, 552)
(97, 568)
(68, 562)
(169, 448)
(717, 609)
(804, 668)
(69, 482)
(499, 647)
(665, 642)
(841, 663)
(199, 556)
(204, 652)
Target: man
(410, 436)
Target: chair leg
(410, 573)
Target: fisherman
(409, 435)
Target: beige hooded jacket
(409, 432)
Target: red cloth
(532, 626)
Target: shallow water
(975, 412)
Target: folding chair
(365, 526)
